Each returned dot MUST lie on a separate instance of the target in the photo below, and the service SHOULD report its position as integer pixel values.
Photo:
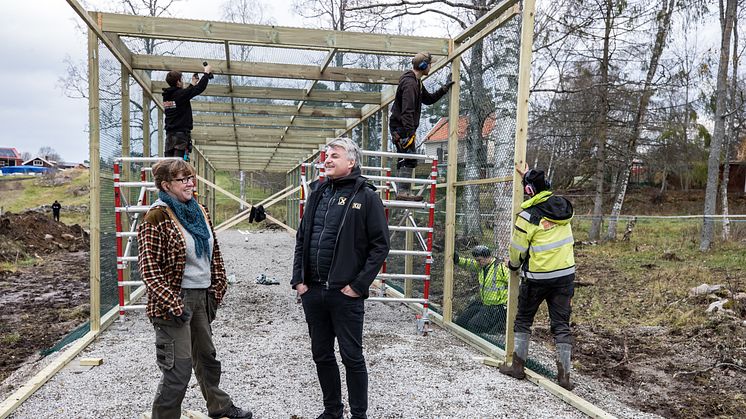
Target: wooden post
(451, 177)
(521, 133)
(161, 134)
(146, 152)
(384, 134)
(95, 182)
(126, 166)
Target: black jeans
(330, 314)
(559, 303)
(178, 144)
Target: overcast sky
(35, 41)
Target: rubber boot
(520, 354)
(564, 350)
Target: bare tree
(49, 153)
(663, 18)
(727, 16)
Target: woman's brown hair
(168, 170)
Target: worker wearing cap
(542, 249)
(405, 116)
(487, 314)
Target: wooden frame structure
(269, 134)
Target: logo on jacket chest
(356, 205)
(342, 200)
(169, 104)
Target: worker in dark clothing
(341, 244)
(178, 111)
(405, 116)
(487, 314)
(56, 207)
(542, 248)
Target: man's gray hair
(353, 151)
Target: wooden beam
(519, 156)
(263, 109)
(284, 93)
(252, 133)
(267, 121)
(451, 196)
(118, 46)
(484, 21)
(259, 146)
(120, 55)
(269, 70)
(270, 36)
(235, 198)
(94, 207)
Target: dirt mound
(32, 234)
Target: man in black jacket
(342, 241)
(178, 114)
(405, 116)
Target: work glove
(447, 85)
(455, 257)
(186, 315)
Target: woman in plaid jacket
(183, 271)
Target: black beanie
(535, 178)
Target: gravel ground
(262, 341)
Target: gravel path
(262, 341)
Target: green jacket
(493, 280)
(542, 243)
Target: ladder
(122, 206)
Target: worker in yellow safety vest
(487, 314)
(542, 248)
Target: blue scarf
(190, 216)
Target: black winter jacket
(361, 242)
(410, 95)
(178, 114)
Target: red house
(10, 157)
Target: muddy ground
(682, 370)
(45, 295)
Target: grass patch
(11, 338)
(645, 281)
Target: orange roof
(439, 132)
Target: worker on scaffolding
(342, 242)
(178, 111)
(542, 248)
(486, 314)
(181, 265)
(405, 117)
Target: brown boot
(515, 370)
(403, 196)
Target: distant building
(71, 165)
(40, 162)
(10, 157)
(436, 140)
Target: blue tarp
(7, 170)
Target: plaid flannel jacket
(162, 259)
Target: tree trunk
(664, 24)
(598, 198)
(713, 163)
(732, 138)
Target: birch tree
(727, 16)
